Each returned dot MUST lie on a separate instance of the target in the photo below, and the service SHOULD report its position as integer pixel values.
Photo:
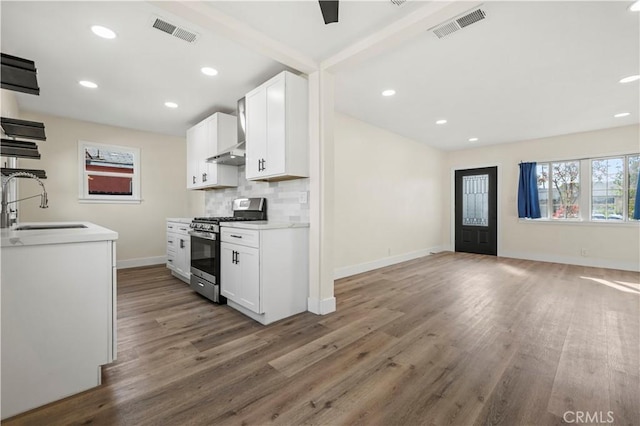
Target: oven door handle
(203, 235)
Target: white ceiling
(299, 24)
(136, 72)
(531, 69)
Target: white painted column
(321, 114)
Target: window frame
(585, 202)
(83, 187)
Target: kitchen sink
(52, 226)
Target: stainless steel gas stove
(205, 245)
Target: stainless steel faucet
(5, 220)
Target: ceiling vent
(457, 24)
(174, 30)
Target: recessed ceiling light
(473, 139)
(635, 7)
(89, 84)
(630, 79)
(441, 122)
(388, 92)
(209, 71)
(622, 114)
(171, 105)
(103, 32)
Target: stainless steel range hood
(234, 156)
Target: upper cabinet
(204, 140)
(277, 129)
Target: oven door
(204, 255)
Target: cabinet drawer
(172, 241)
(182, 229)
(178, 228)
(245, 237)
(171, 260)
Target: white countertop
(263, 224)
(180, 219)
(92, 232)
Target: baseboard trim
(142, 261)
(321, 307)
(348, 271)
(570, 260)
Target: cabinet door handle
(194, 180)
(204, 177)
(182, 229)
(181, 243)
(200, 284)
(235, 236)
(233, 256)
(169, 260)
(263, 165)
(170, 241)
(237, 257)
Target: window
(559, 189)
(108, 173)
(633, 165)
(607, 189)
(609, 196)
(543, 188)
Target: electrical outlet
(303, 197)
(584, 252)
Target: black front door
(476, 225)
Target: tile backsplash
(283, 198)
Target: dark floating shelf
(41, 174)
(23, 129)
(20, 149)
(18, 74)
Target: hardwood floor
(452, 338)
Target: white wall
(141, 227)
(607, 245)
(8, 104)
(388, 197)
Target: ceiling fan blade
(329, 10)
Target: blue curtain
(636, 208)
(528, 203)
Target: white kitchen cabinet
(58, 313)
(179, 249)
(277, 129)
(264, 270)
(204, 140)
(242, 278)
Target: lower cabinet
(242, 276)
(264, 273)
(179, 250)
(58, 320)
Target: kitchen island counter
(11, 237)
(58, 312)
